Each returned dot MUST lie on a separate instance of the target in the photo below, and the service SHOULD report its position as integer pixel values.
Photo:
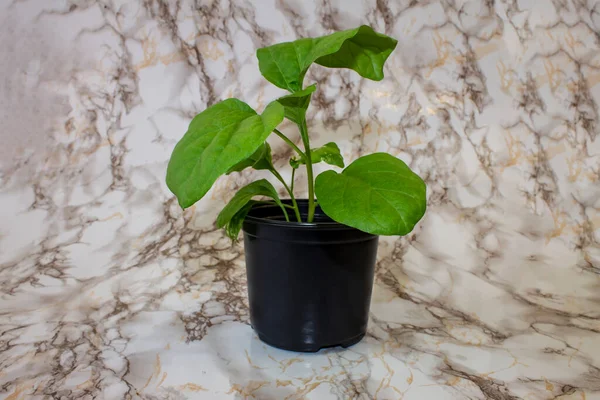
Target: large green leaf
(260, 159)
(328, 153)
(295, 104)
(378, 194)
(362, 50)
(239, 204)
(217, 139)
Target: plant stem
(288, 141)
(293, 180)
(295, 205)
(309, 169)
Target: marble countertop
(109, 290)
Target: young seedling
(376, 193)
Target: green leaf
(328, 153)
(362, 50)
(240, 200)
(233, 227)
(295, 104)
(378, 194)
(260, 159)
(217, 139)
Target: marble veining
(109, 290)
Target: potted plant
(310, 263)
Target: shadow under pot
(309, 284)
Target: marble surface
(109, 290)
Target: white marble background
(108, 290)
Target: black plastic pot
(309, 285)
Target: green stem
(288, 141)
(309, 169)
(295, 205)
(293, 180)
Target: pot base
(309, 348)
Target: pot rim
(332, 225)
